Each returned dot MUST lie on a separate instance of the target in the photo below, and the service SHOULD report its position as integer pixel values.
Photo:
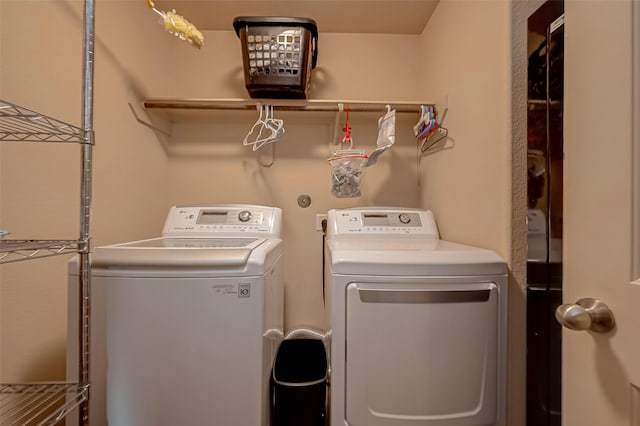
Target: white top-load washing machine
(184, 328)
(417, 325)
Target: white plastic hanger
(256, 129)
(266, 129)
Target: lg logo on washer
(241, 289)
(244, 290)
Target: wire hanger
(429, 125)
(336, 124)
(272, 156)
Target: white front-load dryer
(185, 327)
(417, 325)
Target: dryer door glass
(421, 353)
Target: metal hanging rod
(281, 105)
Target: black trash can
(299, 384)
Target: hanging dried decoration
(179, 26)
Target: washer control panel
(236, 219)
(376, 221)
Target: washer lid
(193, 243)
(246, 255)
(387, 256)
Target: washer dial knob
(244, 215)
(404, 218)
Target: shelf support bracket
(143, 118)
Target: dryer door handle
(423, 296)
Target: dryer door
(421, 354)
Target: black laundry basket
(299, 384)
(278, 54)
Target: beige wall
(468, 185)
(467, 68)
(39, 183)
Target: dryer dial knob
(404, 218)
(244, 215)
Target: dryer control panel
(220, 220)
(382, 221)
